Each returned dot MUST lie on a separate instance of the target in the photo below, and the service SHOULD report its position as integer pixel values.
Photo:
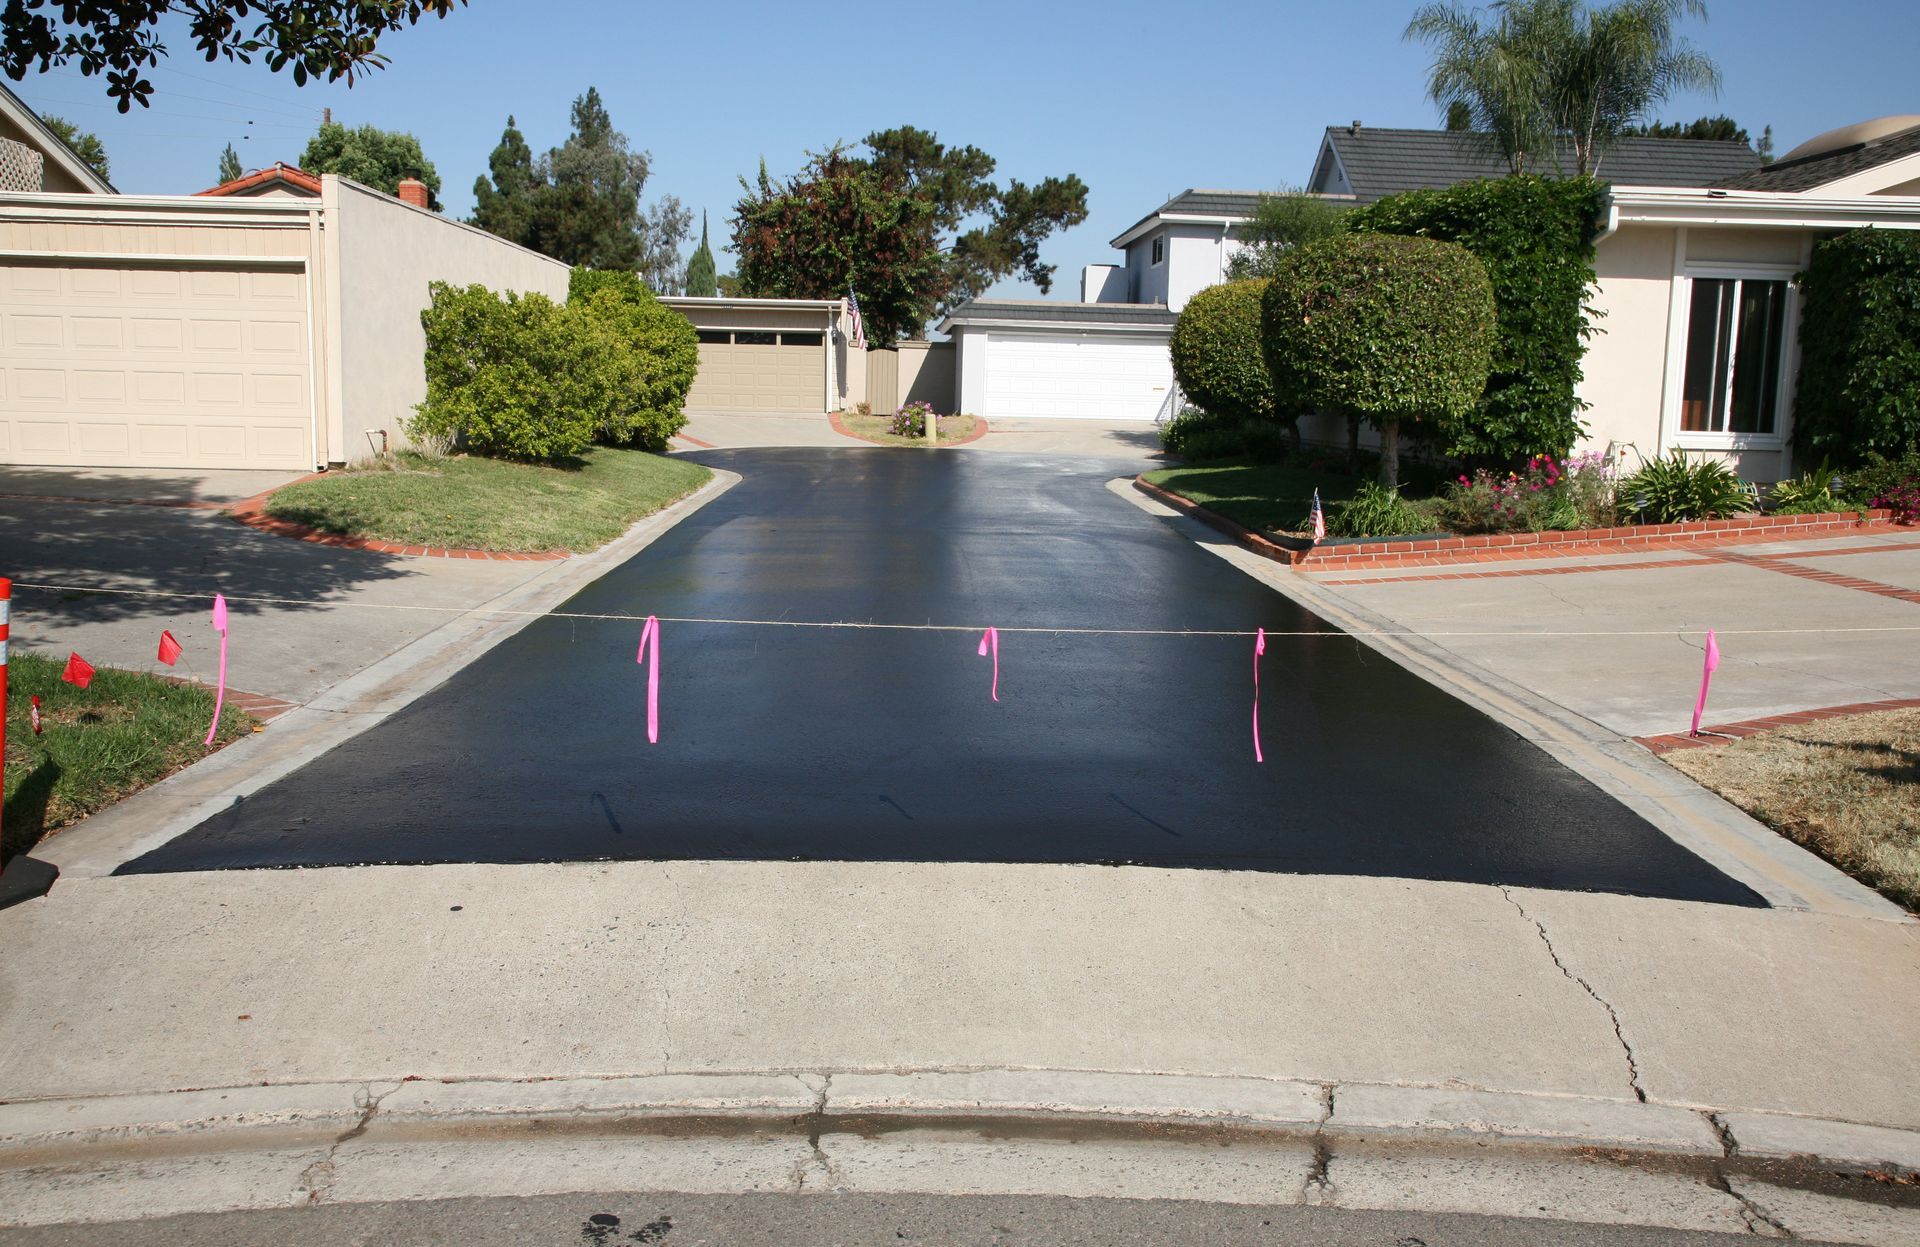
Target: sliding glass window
(1735, 333)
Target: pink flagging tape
(650, 634)
(220, 690)
(1259, 648)
(990, 640)
(1711, 665)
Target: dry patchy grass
(1848, 788)
(877, 429)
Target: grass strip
(1261, 496)
(469, 503)
(875, 429)
(1847, 788)
(124, 731)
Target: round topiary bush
(1216, 352)
(1386, 327)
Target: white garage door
(1078, 378)
(165, 367)
(761, 371)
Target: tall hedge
(1859, 387)
(655, 358)
(1392, 329)
(1535, 236)
(1216, 352)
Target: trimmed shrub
(651, 354)
(1859, 387)
(509, 376)
(1880, 477)
(1216, 352)
(1535, 237)
(1386, 327)
(1197, 435)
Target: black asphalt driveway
(782, 743)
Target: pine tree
(503, 203)
(702, 281)
(230, 168)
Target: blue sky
(1141, 100)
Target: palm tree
(1621, 64)
(1540, 71)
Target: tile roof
(1041, 311)
(297, 178)
(1236, 204)
(1381, 162)
(1808, 172)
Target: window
(802, 339)
(715, 337)
(1736, 329)
(1159, 249)
(744, 338)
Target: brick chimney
(413, 191)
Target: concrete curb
(100, 844)
(865, 1102)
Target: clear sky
(1141, 100)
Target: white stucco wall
(1103, 283)
(1147, 280)
(381, 255)
(1196, 261)
(1626, 357)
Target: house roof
(1822, 166)
(1383, 161)
(1043, 312)
(49, 144)
(1203, 204)
(296, 179)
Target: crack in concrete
(317, 1179)
(666, 971)
(1318, 1189)
(1728, 1144)
(1758, 1220)
(1633, 1067)
(815, 1122)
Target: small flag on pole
(220, 691)
(859, 325)
(1706, 678)
(650, 636)
(79, 672)
(1318, 519)
(35, 712)
(169, 648)
(990, 640)
(1259, 648)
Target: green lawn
(1260, 496)
(466, 502)
(124, 731)
(874, 429)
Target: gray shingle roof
(1043, 311)
(1238, 204)
(1381, 162)
(1818, 170)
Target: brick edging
(1623, 539)
(1727, 733)
(253, 513)
(840, 427)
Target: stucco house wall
(381, 255)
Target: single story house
(271, 323)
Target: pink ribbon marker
(220, 692)
(990, 640)
(1706, 678)
(650, 632)
(1259, 648)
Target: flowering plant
(911, 420)
(1904, 501)
(1551, 494)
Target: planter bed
(1339, 554)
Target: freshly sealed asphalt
(784, 743)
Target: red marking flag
(169, 648)
(650, 636)
(79, 671)
(219, 693)
(1706, 678)
(1259, 648)
(35, 714)
(990, 640)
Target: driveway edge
(101, 844)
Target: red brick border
(252, 512)
(1727, 733)
(840, 427)
(1783, 565)
(688, 437)
(1446, 551)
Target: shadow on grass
(23, 823)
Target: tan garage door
(742, 371)
(104, 366)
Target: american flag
(1319, 520)
(859, 327)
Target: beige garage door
(104, 366)
(742, 371)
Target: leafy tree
(729, 284)
(580, 202)
(230, 167)
(1540, 72)
(372, 157)
(1280, 222)
(839, 224)
(1859, 384)
(1720, 129)
(702, 281)
(1765, 145)
(333, 39)
(981, 231)
(1392, 328)
(1216, 354)
(656, 352)
(84, 145)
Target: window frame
(1157, 251)
(1681, 320)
